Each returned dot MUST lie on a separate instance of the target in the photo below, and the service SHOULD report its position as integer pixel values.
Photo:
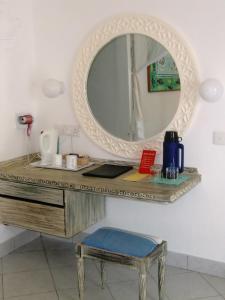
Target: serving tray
(38, 164)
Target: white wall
(195, 224)
(16, 73)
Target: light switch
(219, 137)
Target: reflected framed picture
(163, 75)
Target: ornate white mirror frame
(164, 34)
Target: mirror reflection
(133, 87)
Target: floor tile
(217, 282)
(42, 296)
(124, 290)
(169, 271)
(52, 243)
(188, 286)
(68, 294)
(95, 292)
(35, 245)
(152, 291)
(25, 283)
(61, 257)
(65, 277)
(33, 271)
(1, 289)
(212, 298)
(26, 261)
(118, 273)
(6, 247)
(92, 273)
(0, 265)
(92, 292)
(129, 290)
(25, 237)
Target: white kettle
(48, 145)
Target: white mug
(71, 161)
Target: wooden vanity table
(64, 203)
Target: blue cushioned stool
(123, 247)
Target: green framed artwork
(163, 75)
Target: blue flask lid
(172, 136)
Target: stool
(126, 248)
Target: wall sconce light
(211, 90)
(52, 88)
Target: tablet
(108, 171)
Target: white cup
(71, 161)
(58, 160)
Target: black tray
(108, 171)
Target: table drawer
(34, 216)
(32, 192)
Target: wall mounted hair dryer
(26, 120)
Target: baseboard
(15, 238)
(18, 238)
(196, 264)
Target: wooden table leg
(161, 276)
(102, 267)
(80, 274)
(142, 281)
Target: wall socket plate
(68, 130)
(219, 137)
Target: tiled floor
(45, 270)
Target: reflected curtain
(143, 52)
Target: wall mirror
(134, 78)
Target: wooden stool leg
(80, 275)
(161, 276)
(102, 265)
(142, 281)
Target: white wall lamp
(211, 90)
(52, 88)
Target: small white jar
(71, 161)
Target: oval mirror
(133, 87)
(134, 78)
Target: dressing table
(63, 203)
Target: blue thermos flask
(173, 155)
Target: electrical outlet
(68, 130)
(219, 137)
